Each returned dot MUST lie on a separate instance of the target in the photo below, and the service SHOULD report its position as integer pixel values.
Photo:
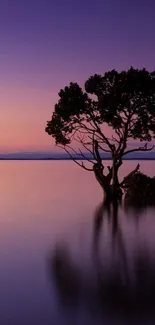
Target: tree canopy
(124, 101)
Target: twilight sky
(45, 44)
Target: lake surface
(58, 245)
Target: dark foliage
(125, 102)
(140, 189)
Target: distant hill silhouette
(65, 156)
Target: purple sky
(45, 44)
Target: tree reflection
(124, 288)
(137, 208)
(65, 274)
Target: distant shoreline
(68, 159)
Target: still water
(60, 251)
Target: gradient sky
(45, 44)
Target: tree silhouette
(125, 102)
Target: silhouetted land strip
(108, 159)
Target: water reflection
(66, 276)
(122, 287)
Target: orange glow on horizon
(24, 113)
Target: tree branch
(103, 149)
(81, 141)
(97, 152)
(99, 140)
(83, 126)
(77, 162)
(79, 154)
(144, 148)
(119, 133)
(123, 140)
(85, 157)
(115, 140)
(129, 175)
(98, 130)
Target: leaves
(125, 101)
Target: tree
(123, 101)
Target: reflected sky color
(43, 204)
(46, 44)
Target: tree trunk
(116, 189)
(112, 192)
(104, 181)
